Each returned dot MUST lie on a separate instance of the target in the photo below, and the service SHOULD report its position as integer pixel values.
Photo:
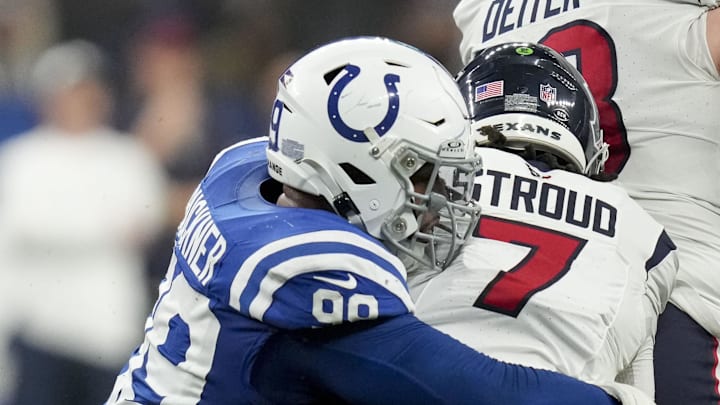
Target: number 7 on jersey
(550, 257)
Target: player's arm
(641, 373)
(713, 34)
(661, 269)
(401, 360)
(320, 279)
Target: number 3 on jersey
(550, 257)
(594, 52)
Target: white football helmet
(355, 119)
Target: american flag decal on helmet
(489, 90)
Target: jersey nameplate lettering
(506, 15)
(199, 240)
(548, 200)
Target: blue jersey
(243, 267)
(286, 267)
(246, 274)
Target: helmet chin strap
(341, 201)
(601, 156)
(345, 207)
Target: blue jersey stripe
(309, 249)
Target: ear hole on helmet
(271, 189)
(330, 76)
(356, 175)
(422, 175)
(437, 123)
(393, 63)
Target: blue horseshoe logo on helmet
(357, 135)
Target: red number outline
(597, 61)
(549, 259)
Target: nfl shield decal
(548, 93)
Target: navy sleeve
(400, 361)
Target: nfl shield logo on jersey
(548, 93)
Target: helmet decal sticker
(357, 135)
(562, 115)
(521, 102)
(524, 50)
(292, 149)
(548, 93)
(489, 90)
(287, 78)
(275, 124)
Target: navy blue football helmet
(534, 97)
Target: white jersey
(647, 63)
(564, 273)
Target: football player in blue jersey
(285, 284)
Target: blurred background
(110, 112)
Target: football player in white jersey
(280, 289)
(564, 272)
(652, 66)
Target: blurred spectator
(428, 24)
(267, 79)
(27, 27)
(199, 75)
(78, 201)
(177, 115)
(16, 115)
